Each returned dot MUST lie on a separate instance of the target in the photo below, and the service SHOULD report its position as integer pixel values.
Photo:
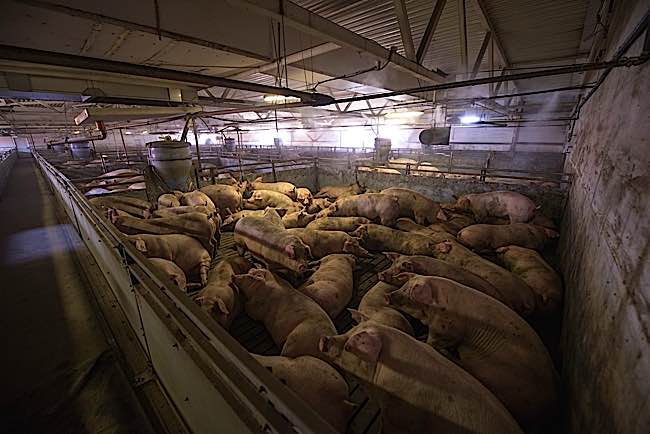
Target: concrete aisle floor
(58, 372)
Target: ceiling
(340, 48)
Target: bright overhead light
(280, 99)
(128, 132)
(76, 132)
(403, 115)
(469, 119)
(145, 132)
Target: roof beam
(481, 54)
(291, 58)
(462, 31)
(430, 30)
(20, 54)
(405, 28)
(487, 22)
(310, 23)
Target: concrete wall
(5, 169)
(605, 251)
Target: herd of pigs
(470, 271)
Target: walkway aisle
(58, 372)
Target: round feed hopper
(172, 161)
(81, 151)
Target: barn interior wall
(605, 250)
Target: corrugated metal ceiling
(529, 30)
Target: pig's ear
(222, 306)
(365, 344)
(358, 316)
(258, 179)
(308, 250)
(141, 245)
(391, 255)
(441, 215)
(502, 249)
(422, 294)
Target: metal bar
(511, 77)
(462, 32)
(423, 48)
(405, 29)
(91, 63)
(643, 26)
(308, 22)
(479, 5)
(481, 54)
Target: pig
(219, 298)
(323, 243)
(517, 207)
(173, 271)
(261, 199)
(315, 382)
(416, 206)
(491, 237)
(379, 238)
(335, 192)
(538, 275)
(228, 199)
(417, 389)
(267, 239)
(455, 222)
(297, 219)
(332, 285)
(286, 188)
(294, 321)
(168, 200)
(408, 225)
(177, 210)
(304, 196)
(194, 224)
(515, 293)
(343, 224)
(230, 221)
(317, 205)
(373, 306)
(489, 341)
(542, 220)
(427, 266)
(132, 205)
(374, 206)
(184, 251)
(197, 197)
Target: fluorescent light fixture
(403, 115)
(145, 132)
(280, 99)
(469, 119)
(128, 132)
(76, 132)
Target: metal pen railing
(193, 358)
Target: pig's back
(448, 399)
